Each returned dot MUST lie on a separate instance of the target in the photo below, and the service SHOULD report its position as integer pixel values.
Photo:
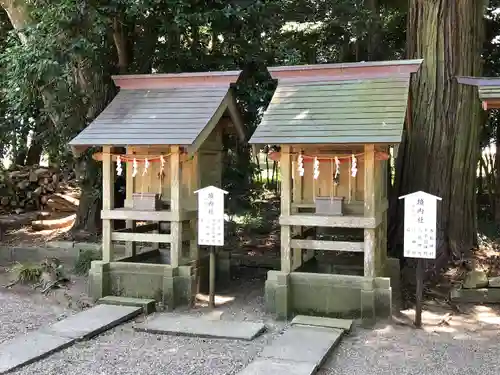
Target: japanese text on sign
(211, 216)
(420, 226)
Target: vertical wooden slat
(175, 206)
(296, 198)
(286, 207)
(107, 203)
(130, 247)
(195, 183)
(369, 211)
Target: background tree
(440, 148)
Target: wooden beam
(124, 214)
(286, 180)
(370, 240)
(130, 248)
(491, 104)
(107, 203)
(127, 214)
(313, 220)
(355, 247)
(175, 206)
(286, 207)
(141, 237)
(139, 229)
(297, 197)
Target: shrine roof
(338, 103)
(163, 109)
(488, 90)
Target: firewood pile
(32, 188)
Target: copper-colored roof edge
(145, 81)
(478, 81)
(342, 78)
(180, 75)
(414, 65)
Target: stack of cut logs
(31, 188)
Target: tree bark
(439, 152)
(88, 80)
(497, 178)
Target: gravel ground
(464, 350)
(21, 314)
(406, 351)
(123, 351)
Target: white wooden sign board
(420, 225)
(211, 216)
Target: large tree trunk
(496, 173)
(88, 217)
(440, 147)
(88, 80)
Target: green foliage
(55, 77)
(84, 261)
(27, 273)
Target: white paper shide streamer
(354, 166)
(300, 165)
(119, 168)
(316, 168)
(162, 164)
(134, 167)
(146, 166)
(336, 176)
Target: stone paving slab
(276, 367)
(148, 305)
(303, 344)
(345, 324)
(200, 327)
(91, 322)
(29, 348)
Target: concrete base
(200, 327)
(148, 306)
(329, 295)
(145, 276)
(315, 321)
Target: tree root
(53, 284)
(11, 284)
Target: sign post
(211, 227)
(420, 237)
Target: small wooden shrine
(488, 90)
(164, 133)
(334, 125)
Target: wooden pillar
(108, 188)
(194, 252)
(370, 240)
(175, 206)
(296, 198)
(286, 207)
(130, 247)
